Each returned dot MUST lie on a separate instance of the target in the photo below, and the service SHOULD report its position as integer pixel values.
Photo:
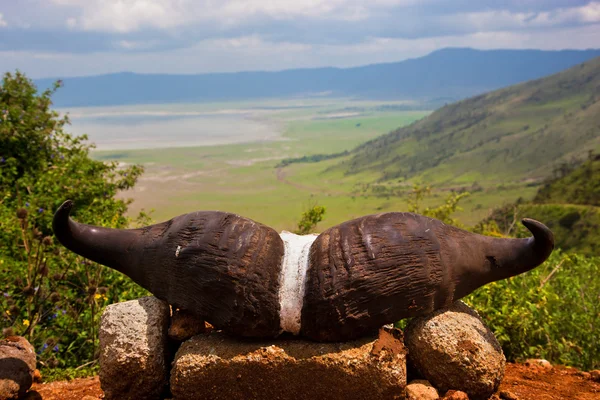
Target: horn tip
(540, 231)
(66, 206)
(61, 216)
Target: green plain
(243, 177)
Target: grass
(243, 178)
(520, 132)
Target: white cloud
(124, 16)
(492, 20)
(83, 37)
(136, 44)
(590, 12)
(256, 53)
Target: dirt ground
(521, 381)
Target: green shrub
(309, 220)
(579, 185)
(552, 312)
(49, 295)
(576, 228)
(443, 212)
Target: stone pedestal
(454, 350)
(133, 343)
(216, 366)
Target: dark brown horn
(382, 268)
(361, 274)
(220, 266)
(543, 241)
(115, 248)
(510, 257)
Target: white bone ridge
(293, 279)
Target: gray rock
(421, 390)
(133, 343)
(215, 366)
(453, 349)
(17, 366)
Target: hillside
(568, 204)
(442, 76)
(518, 133)
(578, 186)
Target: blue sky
(60, 38)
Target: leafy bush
(551, 312)
(576, 228)
(310, 159)
(443, 212)
(580, 185)
(309, 220)
(49, 295)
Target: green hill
(576, 228)
(577, 186)
(568, 204)
(522, 132)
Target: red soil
(522, 381)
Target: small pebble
(539, 363)
(506, 395)
(455, 395)
(420, 389)
(584, 375)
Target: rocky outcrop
(17, 367)
(453, 349)
(215, 366)
(133, 343)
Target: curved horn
(381, 268)
(543, 239)
(510, 257)
(221, 267)
(114, 248)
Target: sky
(62, 38)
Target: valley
(355, 157)
(244, 177)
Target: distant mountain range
(522, 132)
(443, 76)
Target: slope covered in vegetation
(578, 186)
(567, 204)
(520, 132)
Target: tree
(51, 295)
(309, 220)
(443, 212)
